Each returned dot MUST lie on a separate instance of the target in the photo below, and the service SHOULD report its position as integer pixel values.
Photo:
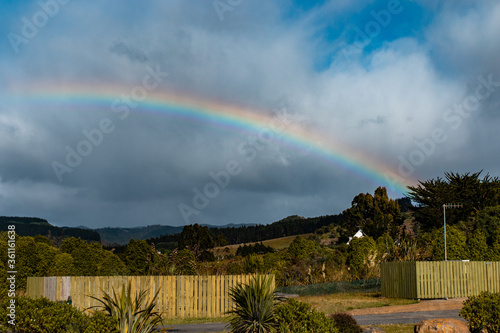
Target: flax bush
(133, 315)
(254, 310)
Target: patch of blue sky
(12, 12)
(296, 8)
(409, 22)
(367, 28)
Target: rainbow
(230, 116)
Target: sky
(123, 113)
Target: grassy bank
(343, 302)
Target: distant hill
(32, 226)
(123, 235)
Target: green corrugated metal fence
(439, 279)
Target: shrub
(482, 312)
(456, 244)
(346, 323)
(254, 306)
(252, 264)
(361, 255)
(257, 248)
(44, 316)
(206, 255)
(297, 317)
(302, 248)
(101, 322)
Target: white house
(359, 234)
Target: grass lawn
(335, 303)
(171, 322)
(397, 328)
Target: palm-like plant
(133, 315)
(254, 309)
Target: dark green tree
(70, 244)
(26, 260)
(63, 265)
(43, 239)
(477, 246)
(196, 238)
(86, 257)
(137, 257)
(45, 254)
(303, 249)
(111, 265)
(487, 221)
(473, 192)
(183, 262)
(375, 215)
(3, 281)
(220, 240)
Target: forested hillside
(290, 226)
(123, 235)
(32, 226)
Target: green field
(276, 243)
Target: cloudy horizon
(124, 114)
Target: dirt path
(425, 305)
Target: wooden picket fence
(439, 279)
(179, 296)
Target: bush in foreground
(482, 312)
(298, 317)
(44, 316)
(346, 323)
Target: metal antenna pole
(449, 205)
(444, 219)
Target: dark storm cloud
(387, 103)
